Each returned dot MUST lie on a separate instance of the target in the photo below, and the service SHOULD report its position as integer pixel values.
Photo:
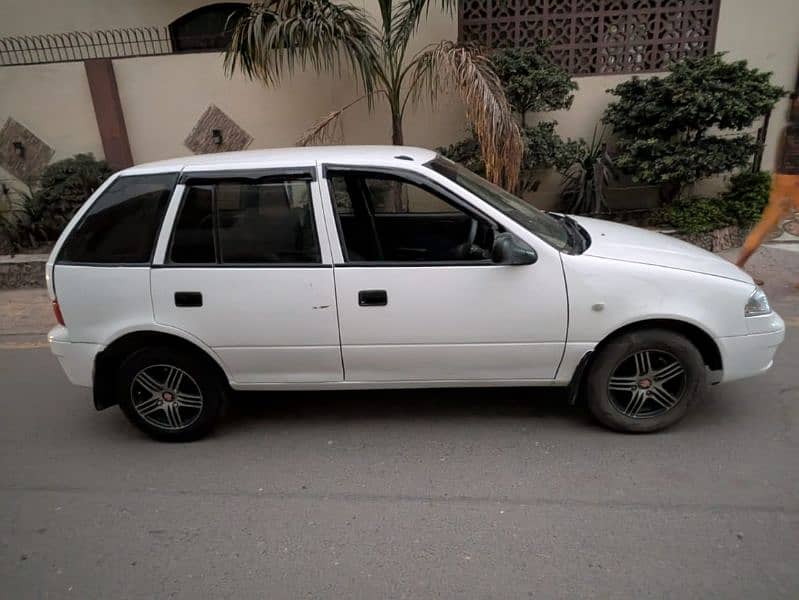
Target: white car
(382, 267)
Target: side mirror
(509, 250)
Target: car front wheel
(170, 394)
(645, 381)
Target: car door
(418, 296)
(247, 270)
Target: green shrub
(666, 126)
(15, 230)
(543, 149)
(466, 152)
(741, 204)
(747, 196)
(696, 215)
(63, 187)
(532, 81)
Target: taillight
(57, 312)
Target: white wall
(163, 97)
(54, 102)
(766, 34)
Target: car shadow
(548, 408)
(416, 404)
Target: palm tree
(278, 37)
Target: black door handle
(188, 299)
(372, 298)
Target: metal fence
(83, 45)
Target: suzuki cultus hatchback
(382, 267)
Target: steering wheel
(468, 249)
(472, 234)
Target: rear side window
(246, 223)
(194, 234)
(122, 224)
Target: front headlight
(757, 304)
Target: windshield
(548, 228)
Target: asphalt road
(434, 494)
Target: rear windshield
(122, 224)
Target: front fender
(607, 295)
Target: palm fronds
(322, 131)
(487, 108)
(278, 37)
(406, 16)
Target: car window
(392, 196)
(193, 240)
(341, 197)
(387, 218)
(122, 224)
(244, 223)
(538, 222)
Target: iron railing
(83, 45)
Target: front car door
(247, 270)
(418, 296)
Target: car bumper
(77, 359)
(749, 355)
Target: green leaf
(532, 81)
(663, 123)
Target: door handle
(188, 299)
(372, 298)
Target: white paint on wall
(54, 102)
(766, 34)
(163, 97)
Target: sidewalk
(778, 266)
(25, 317)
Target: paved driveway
(460, 493)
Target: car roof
(282, 157)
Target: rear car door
(419, 298)
(247, 270)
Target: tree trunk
(399, 193)
(396, 128)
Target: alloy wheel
(166, 396)
(647, 384)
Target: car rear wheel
(645, 381)
(170, 394)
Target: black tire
(182, 417)
(651, 403)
